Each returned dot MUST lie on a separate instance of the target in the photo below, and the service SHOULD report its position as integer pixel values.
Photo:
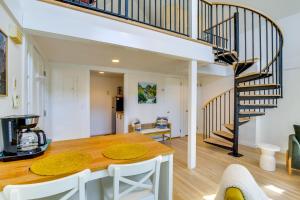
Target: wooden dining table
(18, 172)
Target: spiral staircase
(251, 43)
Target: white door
(173, 104)
(70, 101)
(36, 86)
(184, 108)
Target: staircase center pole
(235, 148)
(236, 121)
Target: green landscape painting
(147, 93)
(3, 64)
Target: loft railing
(170, 15)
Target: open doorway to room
(106, 103)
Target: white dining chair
(65, 188)
(137, 181)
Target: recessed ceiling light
(115, 60)
(101, 72)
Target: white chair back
(68, 185)
(148, 169)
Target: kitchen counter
(17, 172)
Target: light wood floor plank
(212, 161)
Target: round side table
(267, 159)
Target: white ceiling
(274, 8)
(100, 54)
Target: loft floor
(212, 161)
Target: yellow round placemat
(60, 164)
(125, 151)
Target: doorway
(173, 104)
(106, 106)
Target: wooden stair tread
(229, 126)
(228, 57)
(244, 119)
(260, 95)
(247, 61)
(224, 134)
(251, 112)
(257, 104)
(251, 74)
(219, 142)
(226, 53)
(237, 64)
(260, 85)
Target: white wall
(70, 99)
(15, 66)
(103, 90)
(15, 7)
(147, 113)
(278, 123)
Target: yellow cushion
(233, 193)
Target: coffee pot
(21, 139)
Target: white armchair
(239, 177)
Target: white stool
(267, 159)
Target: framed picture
(147, 93)
(3, 64)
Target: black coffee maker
(20, 137)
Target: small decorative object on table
(162, 122)
(267, 159)
(137, 125)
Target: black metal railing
(170, 15)
(217, 112)
(248, 32)
(252, 36)
(205, 21)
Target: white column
(192, 114)
(193, 16)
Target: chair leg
(287, 159)
(290, 166)
(288, 163)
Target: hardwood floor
(212, 161)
